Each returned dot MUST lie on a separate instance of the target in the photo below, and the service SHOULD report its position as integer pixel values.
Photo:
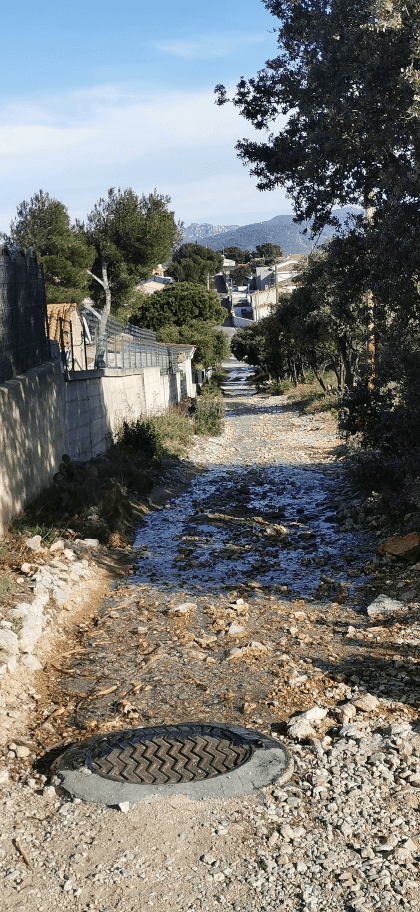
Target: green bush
(208, 418)
(148, 439)
(142, 436)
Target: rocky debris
(34, 543)
(58, 577)
(252, 649)
(237, 630)
(366, 702)
(301, 729)
(9, 648)
(341, 835)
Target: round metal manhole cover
(166, 753)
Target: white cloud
(207, 47)
(76, 145)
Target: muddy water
(255, 543)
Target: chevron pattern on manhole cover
(166, 753)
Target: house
(155, 283)
(251, 306)
(64, 326)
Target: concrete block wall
(31, 435)
(44, 413)
(98, 401)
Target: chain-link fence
(127, 346)
(23, 339)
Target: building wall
(45, 413)
(262, 303)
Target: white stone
(300, 729)
(183, 609)
(34, 543)
(314, 714)
(4, 776)
(87, 542)
(22, 752)
(351, 731)
(61, 594)
(31, 662)
(8, 642)
(31, 631)
(124, 807)
(207, 859)
(69, 554)
(410, 845)
(384, 605)
(366, 702)
(236, 630)
(49, 792)
(57, 545)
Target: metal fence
(23, 338)
(127, 346)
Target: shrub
(208, 418)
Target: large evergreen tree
(179, 304)
(195, 263)
(346, 76)
(130, 235)
(44, 224)
(340, 103)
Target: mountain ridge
(197, 230)
(280, 230)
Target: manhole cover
(166, 753)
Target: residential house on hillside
(249, 307)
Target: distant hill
(195, 232)
(280, 230)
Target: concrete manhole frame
(198, 760)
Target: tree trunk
(346, 366)
(370, 307)
(319, 378)
(100, 359)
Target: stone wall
(45, 413)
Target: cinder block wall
(44, 414)
(31, 435)
(98, 401)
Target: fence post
(8, 334)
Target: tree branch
(95, 277)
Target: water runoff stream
(238, 581)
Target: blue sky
(100, 94)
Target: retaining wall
(45, 413)
(31, 435)
(98, 401)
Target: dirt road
(273, 554)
